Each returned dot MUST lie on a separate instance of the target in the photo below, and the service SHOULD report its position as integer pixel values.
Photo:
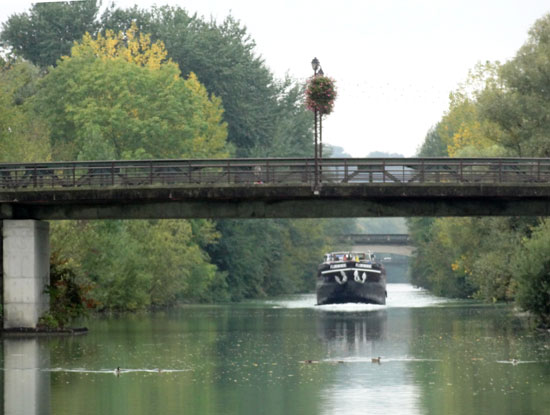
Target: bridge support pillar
(26, 264)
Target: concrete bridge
(242, 188)
(397, 244)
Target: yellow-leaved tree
(118, 96)
(465, 132)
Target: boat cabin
(349, 256)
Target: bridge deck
(275, 188)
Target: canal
(288, 356)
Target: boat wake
(399, 296)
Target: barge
(351, 277)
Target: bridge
(242, 188)
(399, 244)
(269, 188)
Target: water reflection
(361, 385)
(351, 335)
(489, 362)
(26, 379)
(288, 356)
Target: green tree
(115, 98)
(519, 103)
(48, 30)
(139, 264)
(23, 137)
(433, 145)
(273, 256)
(532, 273)
(223, 56)
(464, 130)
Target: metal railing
(403, 171)
(376, 238)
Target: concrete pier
(26, 265)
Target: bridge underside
(276, 201)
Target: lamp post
(317, 127)
(320, 72)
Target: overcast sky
(394, 61)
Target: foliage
(320, 94)
(48, 30)
(520, 102)
(292, 135)
(463, 129)
(23, 137)
(139, 264)
(532, 273)
(260, 111)
(273, 256)
(113, 98)
(68, 297)
(223, 56)
(433, 145)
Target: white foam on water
(113, 371)
(383, 360)
(399, 296)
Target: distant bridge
(399, 244)
(377, 238)
(268, 188)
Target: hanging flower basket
(320, 94)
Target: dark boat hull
(333, 288)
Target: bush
(533, 274)
(67, 296)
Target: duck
(375, 360)
(117, 371)
(515, 362)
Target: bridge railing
(376, 239)
(274, 171)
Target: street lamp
(317, 70)
(315, 65)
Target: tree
(464, 130)
(223, 57)
(48, 31)
(532, 273)
(23, 137)
(117, 96)
(138, 264)
(292, 135)
(520, 103)
(433, 145)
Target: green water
(437, 357)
